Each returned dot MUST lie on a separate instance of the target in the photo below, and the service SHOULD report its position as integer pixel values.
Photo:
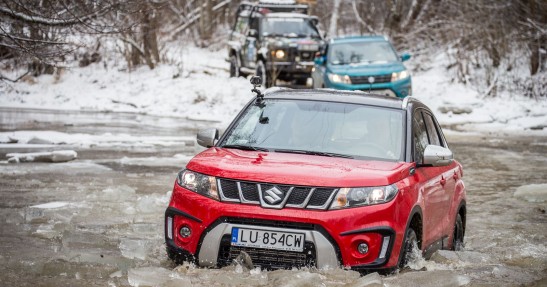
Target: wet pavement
(98, 220)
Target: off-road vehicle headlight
(198, 183)
(279, 54)
(360, 196)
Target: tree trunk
(205, 22)
(333, 26)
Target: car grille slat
(275, 196)
(356, 80)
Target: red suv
(319, 178)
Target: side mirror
(435, 155)
(405, 57)
(207, 137)
(319, 59)
(252, 33)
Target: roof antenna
(256, 81)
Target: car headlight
(399, 75)
(360, 196)
(279, 54)
(198, 183)
(335, 78)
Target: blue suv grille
(357, 80)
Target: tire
(179, 258)
(457, 237)
(262, 72)
(234, 68)
(411, 240)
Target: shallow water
(98, 220)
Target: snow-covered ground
(196, 86)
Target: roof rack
(271, 7)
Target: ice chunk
(51, 205)
(155, 276)
(532, 192)
(437, 278)
(135, 248)
(54, 156)
(295, 279)
(371, 280)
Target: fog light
(362, 248)
(185, 231)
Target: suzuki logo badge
(273, 195)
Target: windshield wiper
(320, 153)
(245, 147)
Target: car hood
(297, 169)
(285, 42)
(371, 69)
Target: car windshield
(362, 53)
(288, 27)
(320, 128)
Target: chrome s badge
(371, 80)
(273, 195)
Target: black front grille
(294, 196)
(229, 189)
(298, 195)
(307, 55)
(267, 258)
(320, 197)
(356, 80)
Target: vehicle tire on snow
(234, 68)
(457, 238)
(411, 240)
(263, 73)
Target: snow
(196, 85)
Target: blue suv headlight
(335, 78)
(400, 75)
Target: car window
(288, 27)
(420, 137)
(434, 138)
(362, 53)
(353, 130)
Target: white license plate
(268, 239)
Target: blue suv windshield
(288, 27)
(361, 53)
(320, 128)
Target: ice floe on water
(532, 192)
(52, 156)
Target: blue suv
(367, 63)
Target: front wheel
(411, 242)
(263, 73)
(457, 238)
(234, 67)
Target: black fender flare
(415, 210)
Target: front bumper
(400, 89)
(291, 70)
(332, 237)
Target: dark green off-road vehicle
(274, 41)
